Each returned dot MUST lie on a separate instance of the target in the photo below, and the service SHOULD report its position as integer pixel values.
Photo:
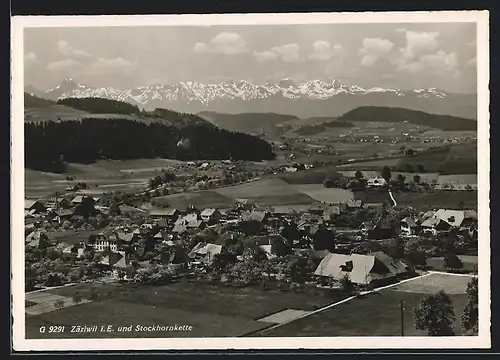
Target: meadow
(212, 310)
(378, 314)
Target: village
(74, 238)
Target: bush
(328, 183)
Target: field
(320, 193)
(378, 314)
(107, 175)
(436, 199)
(454, 159)
(211, 310)
(199, 199)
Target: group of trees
(436, 314)
(48, 145)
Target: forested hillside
(50, 144)
(394, 114)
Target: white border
(17, 185)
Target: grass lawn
(378, 314)
(212, 310)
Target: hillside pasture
(310, 176)
(200, 199)
(424, 201)
(267, 192)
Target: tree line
(49, 145)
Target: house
(169, 214)
(77, 200)
(174, 255)
(33, 206)
(190, 221)
(470, 218)
(381, 231)
(205, 253)
(452, 217)
(106, 241)
(163, 235)
(272, 244)
(61, 215)
(376, 182)
(316, 208)
(260, 216)
(125, 236)
(362, 269)
(281, 211)
(331, 212)
(307, 220)
(354, 204)
(118, 261)
(434, 225)
(409, 227)
(127, 210)
(37, 239)
(78, 250)
(210, 215)
(58, 203)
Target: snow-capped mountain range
(306, 99)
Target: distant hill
(314, 129)
(38, 109)
(70, 109)
(395, 114)
(248, 122)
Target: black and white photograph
(251, 181)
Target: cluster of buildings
(191, 237)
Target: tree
(410, 152)
(77, 298)
(435, 314)
(59, 304)
(386, 173)
(420, 168)
(358, 175)
(346, 285)
(416, 179)
(452, 261)
(471, 310)
(114, 209)
(328, 183)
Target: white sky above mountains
(405, 56)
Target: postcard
(251, 181)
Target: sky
(397, 55)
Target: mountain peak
(230, 96)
